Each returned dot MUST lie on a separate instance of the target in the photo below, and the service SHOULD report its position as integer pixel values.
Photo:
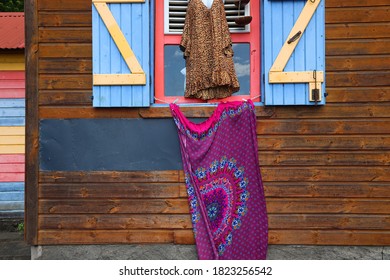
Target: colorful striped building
(12, 114)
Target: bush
(11, 5)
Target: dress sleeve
(227, 40)
(185, 43)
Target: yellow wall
(12, 61)
(12, 139)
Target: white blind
(175, 13)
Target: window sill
(195, 111)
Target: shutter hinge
(315, 94)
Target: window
(169, 61)
(137, 61)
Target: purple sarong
(224, 186)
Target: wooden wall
(326, 169)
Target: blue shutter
(133, 20)
(279, 17)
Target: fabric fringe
(219, 85)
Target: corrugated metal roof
(11, 30)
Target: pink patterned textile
(224, 185)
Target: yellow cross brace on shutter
(276, 74)
(137, 76)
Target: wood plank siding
(326, 169)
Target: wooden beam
(115, 222)
(15, 140)
(12, 62)
(83, 237)
(155, 176)
(330, 237)
(324, 127)
(131, 190)
(88, 112)
(12, 140)
(312, 190)
(114, 206)
(296, 77)
(12, 130)
(119, 79)
(186, 236)
(11, 66)
(7, 158)
(12, 57)
(32, 122)
(12, 149)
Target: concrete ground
(13, 247)
(185, 252)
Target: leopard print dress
(207, 47)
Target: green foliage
(11, 5)
(20, 227)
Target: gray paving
(296, 252)
(13, 247)
(188, 252)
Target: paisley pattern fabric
(223, 181)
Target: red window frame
(252, 37)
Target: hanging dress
(208, 52)
(223, 181)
